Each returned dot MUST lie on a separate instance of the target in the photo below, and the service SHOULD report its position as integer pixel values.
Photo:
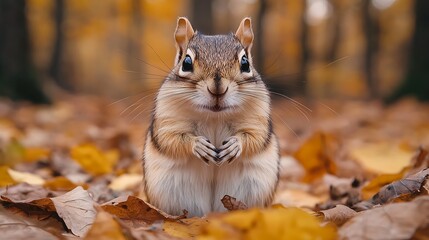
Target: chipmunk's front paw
(204, 150)
(230, 150)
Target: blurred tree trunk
(305, 52)
(416, 81)
(135, 36)
(371, 31)
(55, 70)
(202, 15)
(259, 36)
(336, 18)
(18, 78)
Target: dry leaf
(376, 183)
(279, 223)
(12, 153)
(298, 198)
(393, 221)
(133, 208)
(185, 228)
(93, 160)
(24, 177)
(125, 181)
(5, 178)
(35, 154)
(338, 215)
(382, 157)
(316, 155)
(77, 210)
(61, 184)
(231, 203)
(25, 193)
(13, 226)
(105, 227)
(420, 161)
(404, 188)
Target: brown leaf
(16, 227)
(231, 203)
(25, 193)
(77, 210)
(105, 227)
(393, 221)
(133, 208)
(338, 215)
(420, 161)
(404, 188)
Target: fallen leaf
(231, 203)
(316, 155)
(376, 183)
(105, 227)
(420, 161)
(12, 153)
(61, 184)
(16, 227)
(93, 160)
(185, 228)
(133, 208)
(298, 198)
(77, 210)
(26, 193)
(35, 154)
(279, 223)
(125, 181)
(382, 157)
(5, 178)
(23, 177)
(404, 188)
(338, 215)
(393, 221)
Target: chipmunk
(211, 133)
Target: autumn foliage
(73, 169)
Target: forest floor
(349, 170)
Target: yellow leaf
(25, 177)
(382, 157)
(125, 181)
(105, 227)
(61, 184)
(34, 154)
(93, 160)
(278, 223)
(12, 153)
(5, 178)
(316, 156)
(186, 228)
(298, 198)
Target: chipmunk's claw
(230, 150)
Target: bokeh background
(353, 49)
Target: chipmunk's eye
(244, 64)
(187, 64)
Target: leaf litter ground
(348, 170)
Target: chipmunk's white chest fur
(177, 184)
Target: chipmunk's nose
(217, 92)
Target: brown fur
(216, 109)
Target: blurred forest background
(353, 49)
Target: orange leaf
(316, 155)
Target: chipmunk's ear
(183, 33)
(245, 33)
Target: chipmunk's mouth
(216, 108)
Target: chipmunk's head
(216, 71)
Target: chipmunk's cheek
(232, 98)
